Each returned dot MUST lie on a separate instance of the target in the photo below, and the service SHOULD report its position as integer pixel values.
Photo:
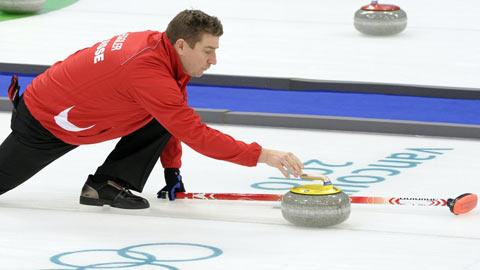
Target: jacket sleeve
(172, 154)
(162, 97)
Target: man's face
(199, 58)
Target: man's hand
(286, 162)
(173, 179)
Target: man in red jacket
(131, 86)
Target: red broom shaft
(398, 201)
(229, 196)
(278, 197)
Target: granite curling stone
(21, 6)
(315, 205)
(380, 19)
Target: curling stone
(316, 205)
(380, 19)
(21, 6)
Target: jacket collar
(179, 74)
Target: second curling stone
(21, 6)
(380, 19)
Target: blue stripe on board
(389, 107)
(377, 106)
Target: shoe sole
(100, 202)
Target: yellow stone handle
(314, 177)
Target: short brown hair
(190, 25)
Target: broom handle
(278, 197)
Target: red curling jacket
(117, 86)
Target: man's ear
(180, 46)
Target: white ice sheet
(41, 219)
(294, 39)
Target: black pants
(30, 147)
